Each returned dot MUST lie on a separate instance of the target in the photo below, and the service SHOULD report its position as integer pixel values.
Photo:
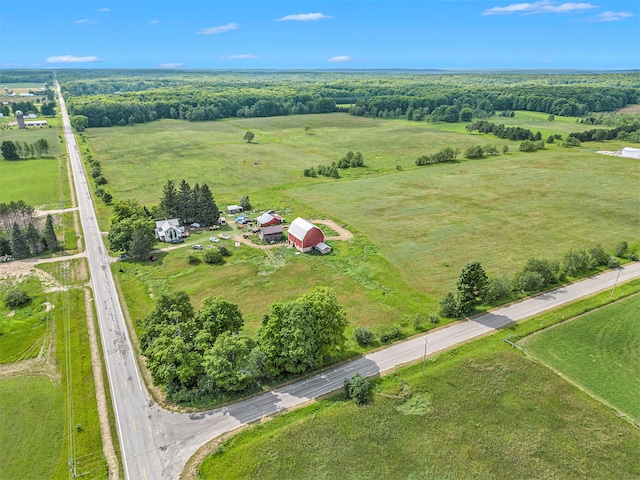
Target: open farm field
(32, 134)
(482, 410)
(500, 211)
(599, 351)
(36, 181)
(32, 429)
(138, 160)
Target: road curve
(156, 443)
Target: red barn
(304, 235)
(269, 219)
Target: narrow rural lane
(156, 443)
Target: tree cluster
(28, 240)
(188, 204)
(196, 355)
(99, 179)
(600, 134)
(500, 131)
(350, 160)
(474, 288)
(132, 229)
(16, 150)
(531, 146)
(445, 155)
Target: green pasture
(36, 181)
(430, 221)
(482, 410)
(138, 160)
(32, 135)
(372, 291)
(31, 428)
(599, 352)
(35, 431)
(22, 330)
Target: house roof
(300, 227)
(271, 230)
(323, 246)
(165, 224)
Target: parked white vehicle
(214, 239)
(197, 247)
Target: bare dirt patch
(629, 109)
(343, 233)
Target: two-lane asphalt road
(156, 444)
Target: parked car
(195, 225)
(214, 239)
(125, 256)
(197, 246)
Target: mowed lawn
(482, 411)
(32, 429)
(432, 220)
(36, 181)
(599, 351)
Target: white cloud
(171, 65)
(87, 21)
(545, 6)
(72, 59)
(613, 16)
(221, 29)
(84, 20)
(304, 17)
(153, 22)
(340, 58)
(13, 65)
(241, 56)
(104, 10)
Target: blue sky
(242, 34)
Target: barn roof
(300, 227)
(264, 218)
(271, 230)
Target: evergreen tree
(207, 210)
(9, 150)
(471, 287)
(5, 246)
(49, 234)
(184, 199)
(169, 201)
(34, 239)
(19, 245)
(245, 203)
(142, 241)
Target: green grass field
(22, 330)
(482, 410)
(32, 428)
(599, 351)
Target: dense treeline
(629, 130)
(26, 76)
(500, 131)
(123, 98)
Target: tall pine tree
(208, 212)
(19, 246)
(34, 239)
(50, 235)
(184, 201)
(169, 201)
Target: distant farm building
(36, 123)
(20, 119)
(629, 152)
(304, 235)
(271, 234)
(231, 209)
(169, 231)
(268, 219)
(323, 248)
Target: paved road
(156, 443)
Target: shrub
(598, 256)
(576, 262)
(433, 318)
(633, 256)
(16, 297)
(363, 336)
(224, 251)
(392, 334)
(448, 306)
(193, 259)
(614, 262)
(417, 321)
(357, 389)
(475, 151)
(101, 181)
(498, 288)
(530, 281)
(212, 256)
(548, 270)
(621, 249)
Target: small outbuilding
(169, 231)
(268, 219)
(271, 234)
(304, 235)
(323, 248)
(231, 209)
(629, 152)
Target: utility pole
(615, 283)
(424, 358)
